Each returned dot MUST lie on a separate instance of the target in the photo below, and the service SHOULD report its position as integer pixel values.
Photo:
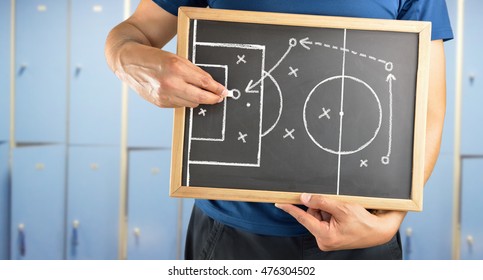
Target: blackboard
(326, 105)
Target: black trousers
(208, 239)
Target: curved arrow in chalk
(250, 87)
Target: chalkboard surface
(336, 110)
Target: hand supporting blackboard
(339, 225)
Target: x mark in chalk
(241, 59)
(289, 133)
(325, 114)
(293, 71)
(202, 112)
(242, 137)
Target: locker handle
(75, 234)
(22, 69)
(21, 240)
(77, 70)
(471, 77)
(137, 235)
(137, 232)
(470, 240)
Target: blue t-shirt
(265, 218)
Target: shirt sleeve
(172, 6)
(434, 11)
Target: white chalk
(234, 93)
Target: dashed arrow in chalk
(304, 42)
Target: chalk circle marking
(328, 149)
(389, 66)
(235, 94)
(385, 160)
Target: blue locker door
(472, 114)
(41, 64)
(93, 203)
(4, 201)
(149, 125)
(419, 229)
(38, 198)
(4, 70)
(152, 214)
(95, 103)
(471, 209)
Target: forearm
(119, 40)
(150, 27)
(436, 107)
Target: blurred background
(84, 161)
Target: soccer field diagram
(318, 105)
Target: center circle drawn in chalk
(324, 127)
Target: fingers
(331, 206)
(177, 102)
(199, 96)
(191, 84)
(197, 77)
(316, 213)
(310, 222)
(203, 80)
(172, 81)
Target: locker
(37, 207)
(4, 201)
(149, 125)
(152, 214)
(40, 65)
(471, 219)
(95, 101)
(472, 115)
(427, 234)
(4, 70)
(93, 203)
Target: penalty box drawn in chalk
(230, 130)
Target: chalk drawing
(256, 86)
(289, 133)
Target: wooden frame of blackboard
(423, 29)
